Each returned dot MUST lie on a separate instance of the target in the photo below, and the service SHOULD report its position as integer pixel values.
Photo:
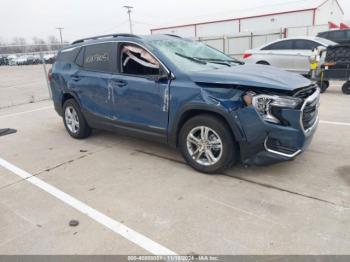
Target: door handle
(120, 83)
(76, 78)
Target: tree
(39, 44)
(18, 45)
(53, 42)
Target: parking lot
(136, 197)
(22, 85)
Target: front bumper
(267, 143)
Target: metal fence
(235, 45)
(24, 75)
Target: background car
(49, 58)
(3, 61)
(22, 60)
(291, 54)
(338, 36)
(12, 60)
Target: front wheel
(207, 144)
(346, 88)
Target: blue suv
(214, 108)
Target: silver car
(291, 54)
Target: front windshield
(193, 56)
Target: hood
(262, 76)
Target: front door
(141, 90)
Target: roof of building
(257, 11)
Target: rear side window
(337, 35)
(80, 58)
(305, 44)
(282, 45)
(100, 57)
(68, 55)
(324, 35)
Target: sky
(83, 18)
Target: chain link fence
(235, 45)
(23, 72)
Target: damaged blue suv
(214, 108)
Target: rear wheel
(207, 144)
(262, 63)
(74, 120)
(346, 88)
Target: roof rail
(174, 35)
(103, 36)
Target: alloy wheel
(204, 145)
(72, 119)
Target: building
(308, 13)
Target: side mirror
(162, 77)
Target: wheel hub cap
(204, 145)
(72, 119)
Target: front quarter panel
(187, 96)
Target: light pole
(129, 13)
(60, 30)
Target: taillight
(245, 56)
(49, 74)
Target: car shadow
(164, 152)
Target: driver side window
(135, 60)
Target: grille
(309, 116)
(310, 107)
(311, 97)
(305, 92)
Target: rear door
(92, 81)
(280, 54)
(303, 50)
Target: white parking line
(26, 112)
(335, 123)
(117, 227)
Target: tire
(217, 131)
(323, 85)
(262, 63)
(346, 88)
(75, 122)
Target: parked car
(22, 60)
(49, 58)
(3, 61)
(215, 109)
(12, 60)
(291, 54)
(338, 36)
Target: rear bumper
(58, 108)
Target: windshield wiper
(192, 58)
(221, 61)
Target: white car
(291, 54)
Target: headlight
(264, 103)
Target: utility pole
(129, 13)
(60, 30)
